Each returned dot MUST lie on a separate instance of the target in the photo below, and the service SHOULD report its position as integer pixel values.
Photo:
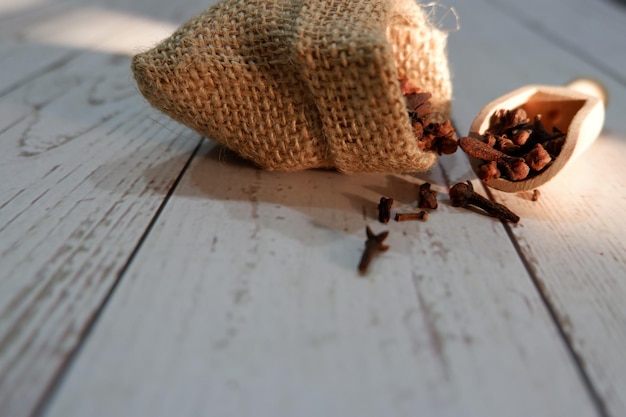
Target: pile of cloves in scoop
(513, 148)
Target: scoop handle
(590, 87)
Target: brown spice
(490, 140)
(520, 148)
(384, 209)
(554, 146)
(445, 137)
(447, 146)
(506, 145)
(373, 245)
(536, 195)
(521, 136)
(430, 135)
(541, 134)
(538, 158)
(514, 168)
(507, 119)
(427, 197)
(481, 150)
(400, 217)
(463, 195)
(439, 137)
(488, 171)
(418, 103)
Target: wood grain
(86, 165)
(589, 29)
(43, 37)
(572, 239)
(573, 243)
(245, 301)
(244, 298)
(57, 32)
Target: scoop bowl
(576, 109)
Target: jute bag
(297, 84)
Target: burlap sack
(296, 84)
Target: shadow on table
(326, 197)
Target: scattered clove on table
(427, 197)
(535, 196)
(373, 245)
(463, 195)
(401, 217)
(384, 209)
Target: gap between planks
(431, 291)
(596, 398)
(64, 368)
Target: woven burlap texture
(297, 84)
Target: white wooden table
(146, 272)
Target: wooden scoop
(577, 109)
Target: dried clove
(430, 135)
(463, 195)
(490, 140)
(538, 158)
(506, 145)
(439, 137)
(536, 195)
(514, 168)
(554, 146)
(419, 104)
(488, 171)
(373, 245)
(513, 118)
(400, 217)
(540, 132)
(384, 209)
(521, 136)
(427, 197)
(507, 119)
(481, 150)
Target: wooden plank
(61, 31)
(14, 12)
(279, 359)
(86, 164)
(572, 239)
(245, 301)
(574, 244)
(43, 35)
(592, 30)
